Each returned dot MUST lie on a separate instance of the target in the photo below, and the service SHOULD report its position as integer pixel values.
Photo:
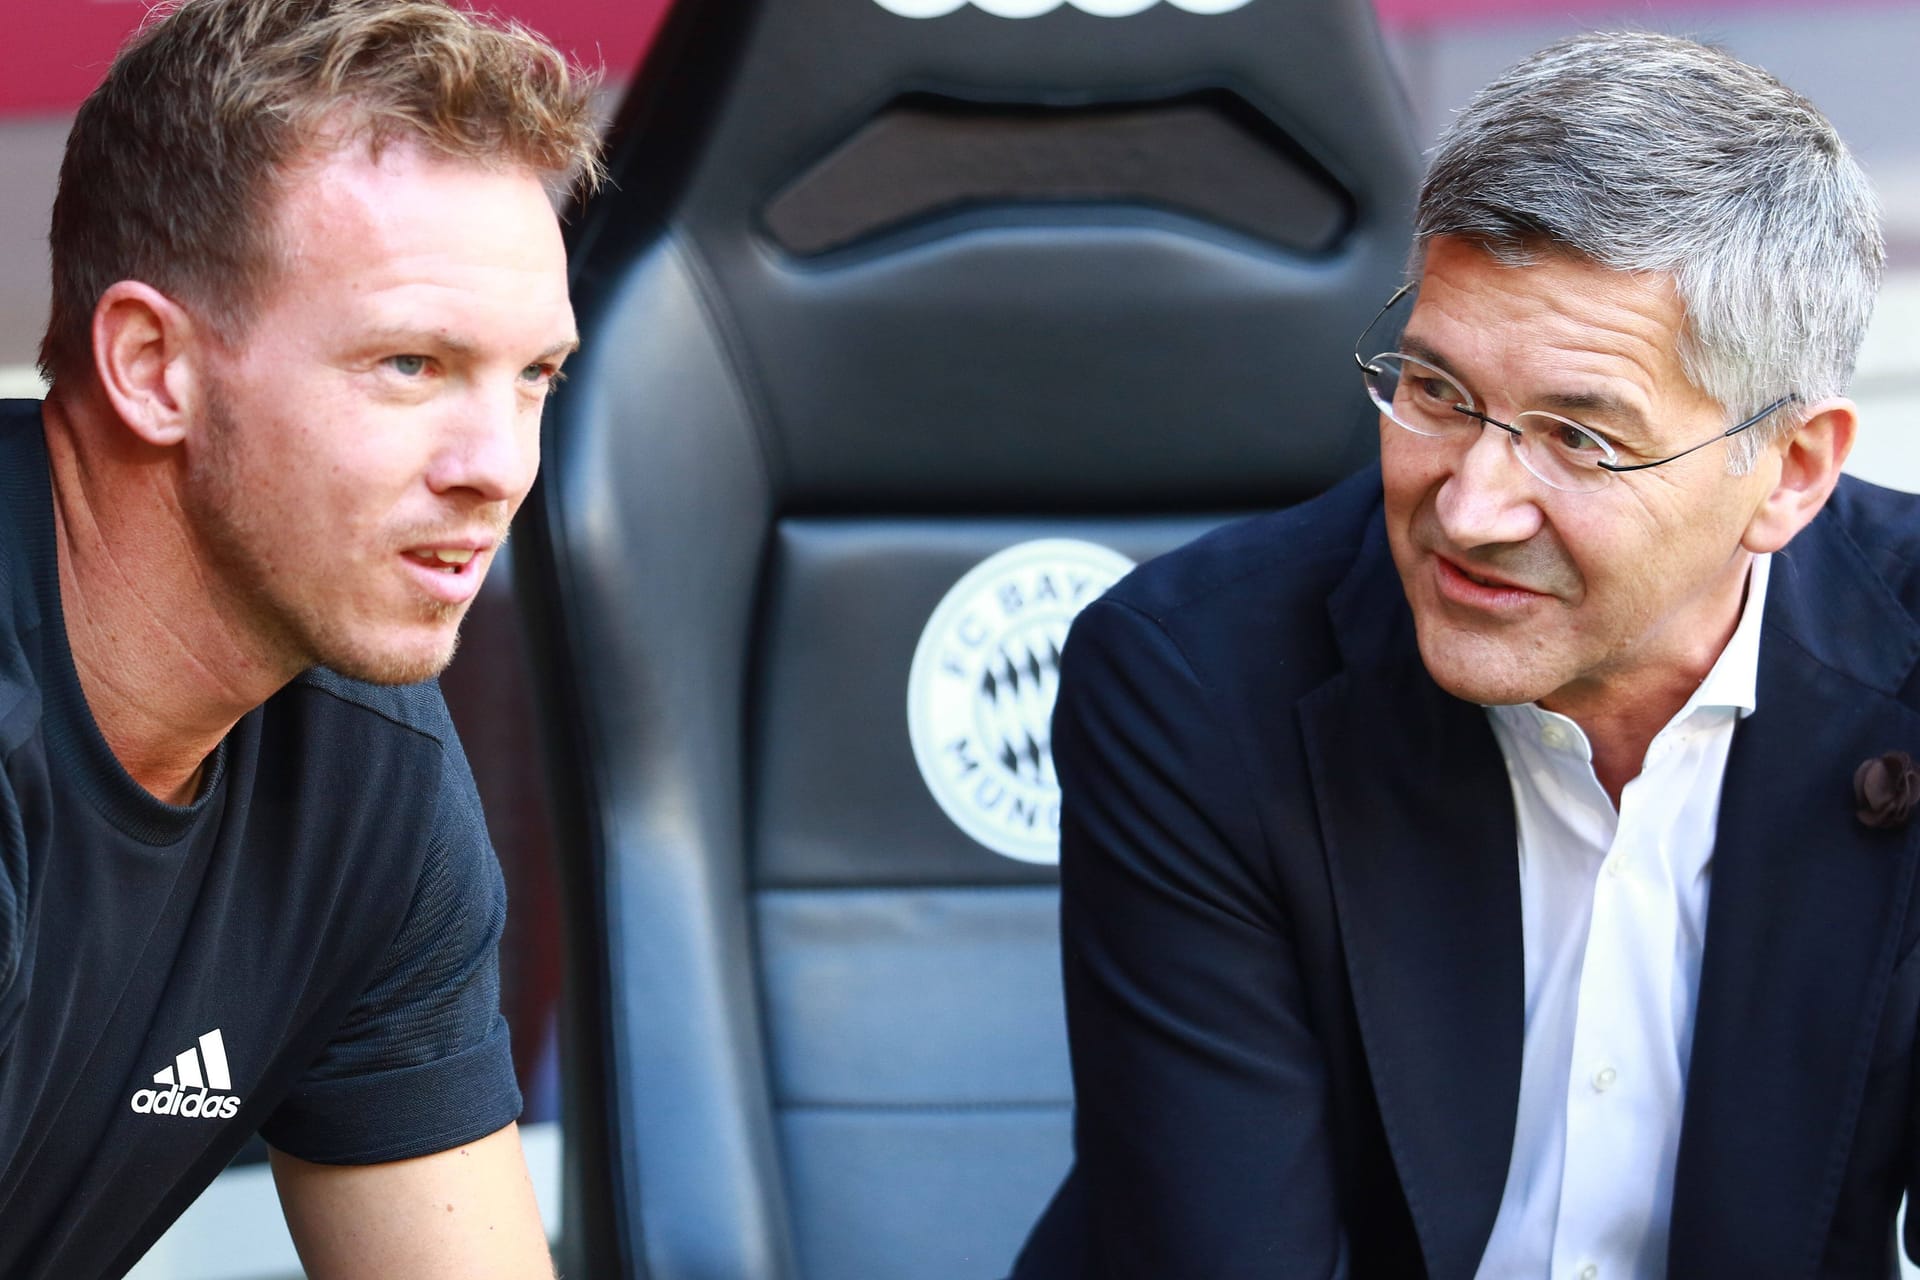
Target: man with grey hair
(1501, 866)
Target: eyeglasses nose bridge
(1515, 436)
(1513, 432)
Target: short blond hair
(173, 165)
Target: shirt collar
(1728, 687)
(1730, 684)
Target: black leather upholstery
(870, 299)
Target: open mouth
(445, 559)
(1475, 578)
(1460, 573)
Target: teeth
(453, 557)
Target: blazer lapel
(1417, 817)
(1804, 916)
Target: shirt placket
(1623, 1080)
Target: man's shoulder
(1248, 606)
(392, 731)
(1885, 525)
(22, 481)
(411, 714)
(1288, 560)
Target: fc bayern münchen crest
(980, 695)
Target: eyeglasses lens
(1419, 397)
(1427, 402)
(1561, 452)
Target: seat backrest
(907, 325)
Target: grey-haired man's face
(1520, 592)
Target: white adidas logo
(185, 1074)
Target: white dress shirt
(1614, 915)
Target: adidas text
(179, 1102)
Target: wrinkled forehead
(1555, 315)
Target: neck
(1620, 742)
(162, 673)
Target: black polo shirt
(308, 950)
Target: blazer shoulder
(1291, 558)
(1885, 525)
(1247, 604)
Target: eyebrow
(459, 346)
(1625, 417)
(1419, 350)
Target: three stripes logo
(198, 1085)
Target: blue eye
(542, 375)
(408, 366)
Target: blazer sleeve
(1201, 1130)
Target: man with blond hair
(309, 295)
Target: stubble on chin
(272, 606)
(1478, 667)
(390, 666)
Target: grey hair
(1648, 153)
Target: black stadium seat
(903, 336)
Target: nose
(1490, 497)
(490, 447)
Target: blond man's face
(370, 434)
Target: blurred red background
(55, 58)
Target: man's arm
(464, 1214)
(1201, 1126)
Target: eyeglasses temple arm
(1728, 434)
(1398, 294)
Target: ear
(1809, 461)
(144, 354)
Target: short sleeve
(422, 1062)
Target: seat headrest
(1015, 254)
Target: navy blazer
(1291, 924)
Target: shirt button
(1555, 735)
(1614, 867)
(1589, 1272)
(1602, 1081)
